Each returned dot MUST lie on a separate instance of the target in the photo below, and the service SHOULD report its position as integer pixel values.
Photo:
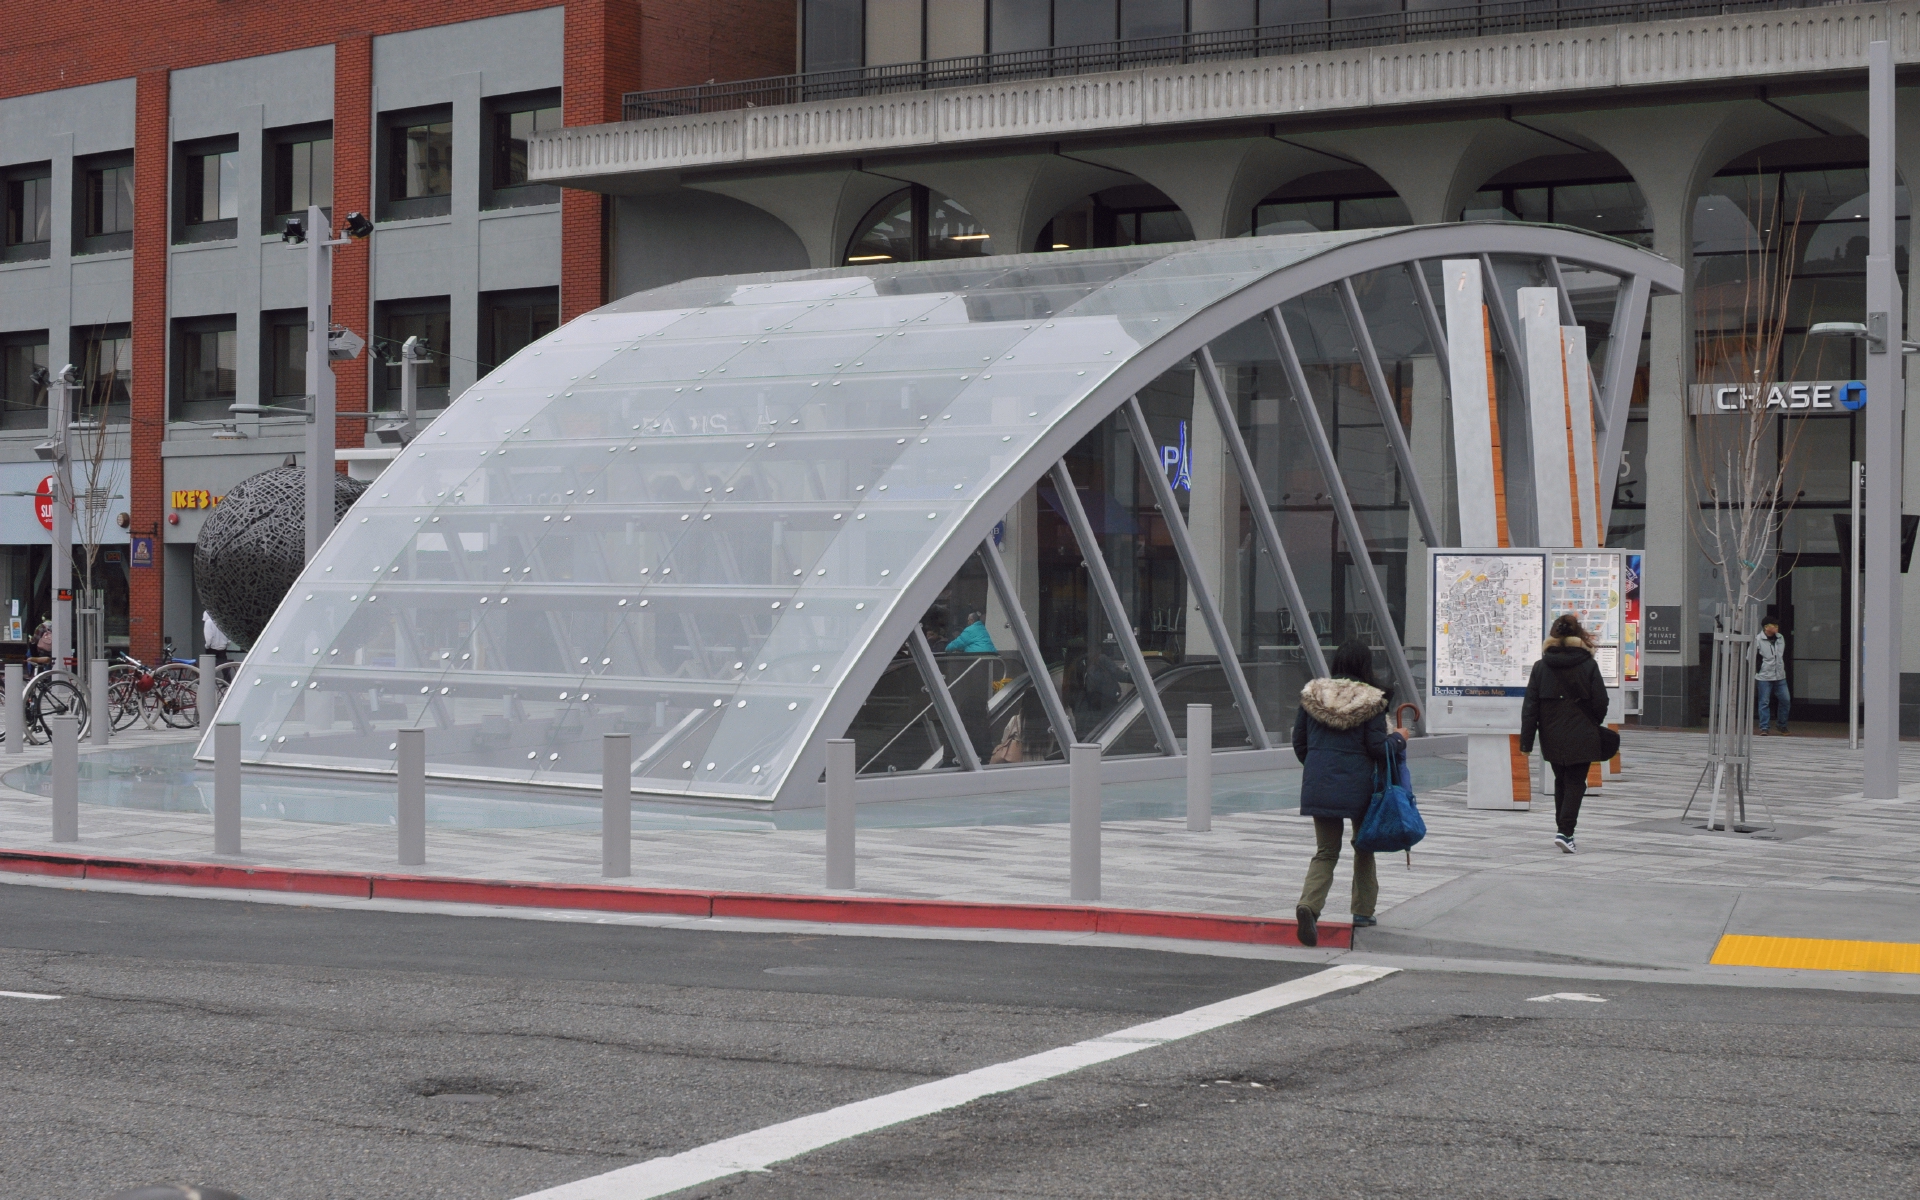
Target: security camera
(358, 226)
(295, 232)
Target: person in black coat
(1566, 704)
(1340, 736)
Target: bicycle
(49, 692)
(169, 692)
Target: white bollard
(411, 803)
(97, 701)
(840, 814)
(226, 788)
(1083, 820)
(66, 777)
(16, 679)
(616, 806)
(1199, 768)
(207, 695)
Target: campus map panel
(1590, 587)
(1488, 622)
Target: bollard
(66, 778)
(411, 804)
(226, 788)
(1083, 820)
(206, 700)
(840, 810)
(97, 703)
(16, 708)
(616, 806)
(1199, 768)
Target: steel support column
(1262, 514)
(943, 706)
(1342, 505)
(1616, 389)
(1117, 617)
(1389, 415)
(1002, 584)
(1886, 420)
(1190, 563)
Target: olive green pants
(1366, 885)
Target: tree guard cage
(713, 514)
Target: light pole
(317, 234)
(58, 450)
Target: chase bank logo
(1853, 396)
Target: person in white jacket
(214, 637)
(1771, 699)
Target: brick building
(151, 155)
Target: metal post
(1262, 512)
(16, 708)
(1853, 613)
(1029, 645)
(1083, 821)
(410, 814)
(66, 777)
(61, 394)
(207, 691)
(1342, 506)
(1886, 412)
(1196, 579)
(320, 382)
(226, 787)
(1389, 415)
(102, 725)
(1616, 390)
(616, 806)
(840, 814)
(944, 708)
(1199, 767)
(1117, 617)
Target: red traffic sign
(43, 503)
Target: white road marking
(761, 1149)
(29, 996)
(1585, 997)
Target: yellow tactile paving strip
(1816, 954)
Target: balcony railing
(1427, 24)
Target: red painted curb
(860, 910)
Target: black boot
(1309, 926)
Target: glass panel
(1019, 25)
(831, 34)
(290, 361)
(207, 362)
(25, 402)
(423, 160)
(1152, 18)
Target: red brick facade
(612, 46)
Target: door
(1813, 604)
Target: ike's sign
(1814, 398)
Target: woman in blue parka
(1341, 736)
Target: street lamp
(322, 347)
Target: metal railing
(1337, 33)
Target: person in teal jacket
(974, 639)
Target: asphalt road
(290, 1053)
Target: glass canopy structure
(717, 515)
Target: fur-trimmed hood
(1571, 643)
(1342, 703)
(1565, 652)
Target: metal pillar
(60, 395)
(16, 677)
(616, 806)
(1616, 389)
(410, 816)
(65, 731)
(1886, 411)
(1199, 767)
(1262, 513)
(1056, 710)
(226, 788)
(97, 704)
(207, 695)
(1389, 415)
(1117, 617)
(320, 393)
(1083, 821)
(1190, 563)
(840, 814)
(944, 708)
(1342, 505)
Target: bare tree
(106, 378)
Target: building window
(205, 380)
(514, 120)
(207, 191)
(29, 212)
(915, 224)
(104, 354)
(1133, 215)
(513, 320)
(23, 394)
(1609, 206)
(832, 34)
(430, 321)
(419, 164)
(105, 204)
(299, 166)
(283, 357)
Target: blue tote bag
(1393, 819)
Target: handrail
(1335, 33)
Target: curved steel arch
(561, 409)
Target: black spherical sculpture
(253, 544)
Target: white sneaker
(1564, 842)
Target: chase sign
(1814, 398)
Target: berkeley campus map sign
(1490, 610)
